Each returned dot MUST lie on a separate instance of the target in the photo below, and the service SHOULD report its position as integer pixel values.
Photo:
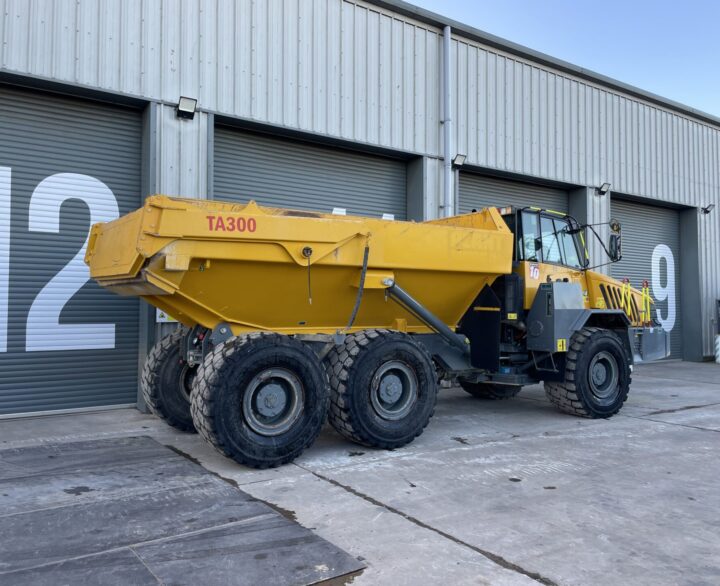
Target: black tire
(363, 407)
(597, 375)
(260, 430)
(166, 382)
(491, 391)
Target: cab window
(558, 244)
(567, 245)
(547, 239)
(529, 237)
(550, 242)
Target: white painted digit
(44, 330)
(660, 292)
(4, 254)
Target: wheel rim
(186, 377)
(603, 376)
(393, 390)
(273, 401)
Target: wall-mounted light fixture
(603, 189)
(458, 160)
(186, 108)
(707, 209)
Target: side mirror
(538, 244)
(615, 247)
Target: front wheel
(597, 375)
(260, 399)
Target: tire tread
(564, 394)
(338, 364)
(207, 386)
(149, 378)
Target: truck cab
(554, 317)
(546, 247)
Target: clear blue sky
(668, 48)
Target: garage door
(283, 173)
(651, 250)
(479, 191)
(64, 164)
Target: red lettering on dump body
(231, 224)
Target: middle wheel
(383, 388)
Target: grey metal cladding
(478, 191)
(41, 136)
(644, 229)
(370, 73)
(650, 344)
(567, 295)
(556, 309)
(297, 175)
(360, 72)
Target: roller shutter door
(479, 191)
(283, 173)
(651, 250)
(64, 163)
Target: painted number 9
(664, 292)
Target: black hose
(361, 286)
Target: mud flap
(650, 344)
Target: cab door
(546, 251)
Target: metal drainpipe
(448, 207)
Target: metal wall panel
(360, 72)
(65, 164)
(283, 173)
(651, 235)
(479, 191)
(516, 116)
(353, 70)
(333, 67)
(182, 157)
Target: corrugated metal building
(319, 104)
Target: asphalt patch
(131, 511)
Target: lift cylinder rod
(408, 302)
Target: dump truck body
(266, 269)
(291, 315)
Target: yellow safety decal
(562, 345)
(512, 315)
(582, 239)
(646, 302)
(478, 308)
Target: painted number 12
(44, 330)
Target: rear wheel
(492, 391)
(166, 382)
(383, 387)
(260, 399)
(597, 375)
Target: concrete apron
(508, 492)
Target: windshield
(548, 239)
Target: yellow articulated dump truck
(293, 316)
